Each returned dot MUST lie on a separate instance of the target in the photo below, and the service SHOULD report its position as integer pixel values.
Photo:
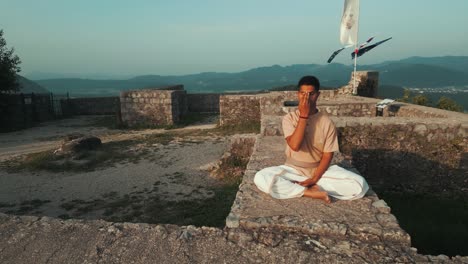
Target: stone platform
(46, 240)
(367, 219)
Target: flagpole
(356, 51)
(354, 73)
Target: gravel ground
(172, 172)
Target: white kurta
(336, 181)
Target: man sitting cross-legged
(311, 141)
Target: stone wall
(30, 239)
(153, 107)
(238, 109)
(18, 111)
(94, 105)
(203, 103)
(367, 83)
(408, 154)
(399, 109)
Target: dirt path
(49, 134)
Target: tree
(421, 100)
(9, 67)
(449, 104)
(406, 96)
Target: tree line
(421, 99)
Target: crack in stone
(55, 252)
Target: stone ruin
(384, 149)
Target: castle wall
(408, 154)
(238, 109)
(153, 107)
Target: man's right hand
(304, 106)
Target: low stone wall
(94, 105)
(425, 155)
(238, 109)
(153, 107)
(26, 239)
(399, 109)
(203, 103)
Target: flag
(365, 43)
(366, 49)
(350, 23)
(334, 54)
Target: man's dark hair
(309, 80)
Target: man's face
(308, 89)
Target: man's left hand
(307, 183)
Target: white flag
(350, 23)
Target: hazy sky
(124, 38)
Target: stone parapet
(408, 154)
(153, 107)
(238, 109)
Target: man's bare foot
(317, 195)
(327, 199)
(314, 188)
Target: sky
(120, 38)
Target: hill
(413, 72)
(28, 86)
(457, 63)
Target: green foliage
(421, 100)
(250, 126)
(8, 67)
(449, 104)
(406, 96)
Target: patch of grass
(36, 203)
(160, 138)
(107, 121)
(108, 154)
(3, 205)
(72, 204)
(28, 206)
(64, 216)
(110, 195)
(200, 212)
(244, 128)
(192, 118)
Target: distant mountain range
(413, 72)
(28, 86)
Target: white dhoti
(336, 181)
